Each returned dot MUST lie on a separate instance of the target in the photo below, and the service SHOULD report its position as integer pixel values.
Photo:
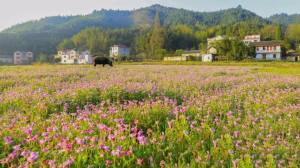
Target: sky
(19, 11)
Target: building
(251, 39)
(212, 50)
(23, 58)
(210, 44)
(74, 57)
(6, 59)
(190, 55)
(176, 58)
(268, 50)
(194, 53)
(119, 51)
(208, 58)
(292, 56)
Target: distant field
(206, 115)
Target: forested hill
(285, 19)
(44, 35)
(139, 17)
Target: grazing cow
(102, 61)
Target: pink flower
(105, 148)
(103, 127)
(141, 138)
(68, 163)
(28, 130)
(65, 145)
(8, 140)
(118, 152)
(79, 141)
(229, 114)
(111, 137)
(33, 156)
(108, 162)
(140, 162)
(66, 107)
(51, 163)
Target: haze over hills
(48, 32)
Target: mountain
(139, 17)
(42, 36)
(285, 19)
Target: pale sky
(18, 11)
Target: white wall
(207, 58)
(269, 56)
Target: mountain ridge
(132, 18)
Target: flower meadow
(148, 116)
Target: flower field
(148, 116)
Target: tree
(66, 44)
(233, 49)
(42, 58)
(268, 32)
(278, 33)
(293, 33)
(157, 38)
(141, 46)
(93, 39)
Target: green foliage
(151, 32)
(44, 35)
(156, 41)
(233, 49)
(42, 58)
(285, 19)
(93, 39)
(66, 44)
(278, 33)
(268, 32)
(293, 33)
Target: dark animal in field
(102, 61)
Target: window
(274, 56)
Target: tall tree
(278, 33)
(157, 38)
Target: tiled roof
(266, 43)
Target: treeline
(158, 41)
(148, 36)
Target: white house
(74, 57)
(118, 51)
(21, 57)
(268, 50)
(251, 39)
(208, 58)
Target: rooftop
(266, 43)
(191, 51)
(120, 45)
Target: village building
(194, 53)
(175, 58)
(292, 56)
(267, 50)
(119, 51)
(211, 49)
(189, 55)
(74, 57)
(6, 59)
(251, 39)
(23, 58)
(208, 58)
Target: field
(150, 116)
